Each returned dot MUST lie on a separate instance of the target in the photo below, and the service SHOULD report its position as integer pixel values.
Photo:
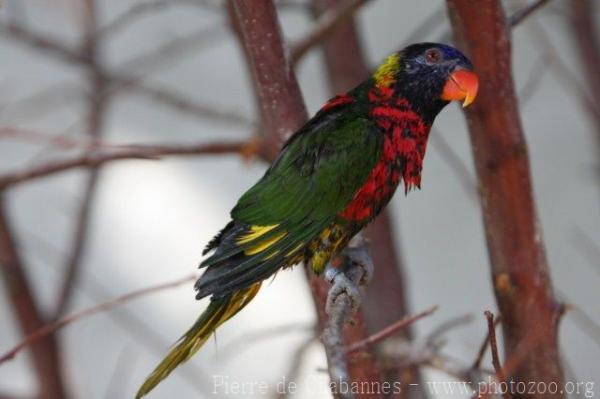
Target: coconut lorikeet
(332, 177)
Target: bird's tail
(219, 311)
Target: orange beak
(462, 85)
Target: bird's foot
(342, 287)
(359, 263)
(352, 269)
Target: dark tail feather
(219, 311)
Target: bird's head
(429, 76)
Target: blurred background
(149, 219)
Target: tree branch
(44, 331)
(324, 26)
(96, 115)
(101, 156)
(389, 330)
(494, 348)
(167, 97)
(283, 112)
(46, 356)
(139, 10)
(520, 272)
(346, 68)
(587, 41)
(519, 16)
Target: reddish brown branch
(43, 138)
(389, 331)
(520, 272)
(281, 105)
(346, 67)
(494, 349)
(484, 346)
(283, 112)
(45, 353)
(44, 331)
(101, 156)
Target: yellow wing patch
(255, 232)
(384, 76)
(261, 246)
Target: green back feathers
(315, 177)
(312, 181)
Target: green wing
(314, 178)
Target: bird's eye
(433, 56)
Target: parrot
(331, 178)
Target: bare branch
(116, 153)
(142, 9)
(45, 353)
(180, 103)
(96, 116)
(44, 138)
(389, 331)
(323, 27)
(12, 30)
(484, 345)
(346, 274)
(136, 325)
(525, 12)
(283, 112)
(520, 273)
(49, 329)
(167, 97)
(454, 162)
(347, 67)
(586, 37)
(494, 348)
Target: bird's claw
(341, 285)
(360, 263)
(355, 270)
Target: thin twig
(51, 46)
(31, 136)
(183, 104)
(136, 325)
(176, 101)
(142, 9)
(248, 340)
(102, 156)
(443, 328)
(295, 365)
(484, 346)
(589, 248)
(512, 21)
(95, 118)
(494, 345)
(121, 374)
(586, 35)
(519, 16)
(323, 27)
(425, 27)
(389, 331)
(455, 162)
(103, 307)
